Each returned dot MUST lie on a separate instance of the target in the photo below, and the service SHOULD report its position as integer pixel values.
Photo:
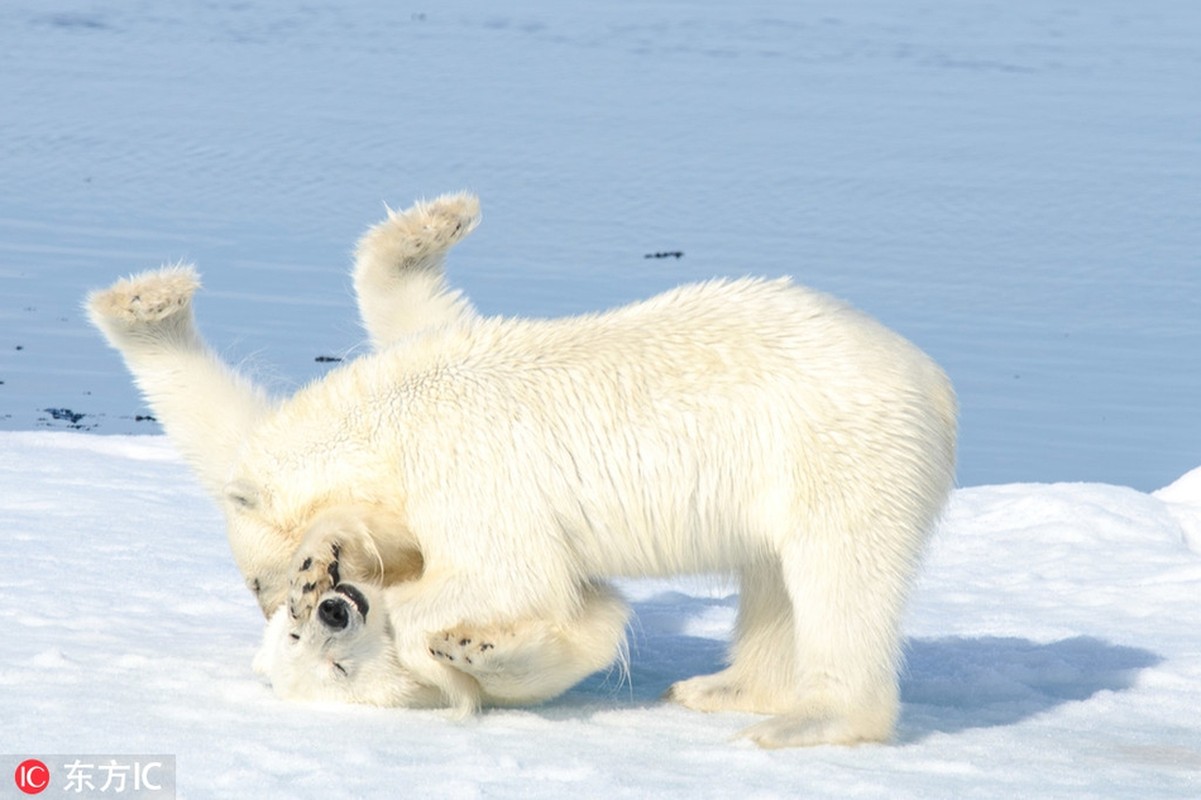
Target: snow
(1054, 650)
(1013, 186)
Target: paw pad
(313, 576)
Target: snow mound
(1183, 498)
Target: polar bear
(748, 426)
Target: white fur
(748, 426)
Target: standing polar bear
(489, 472)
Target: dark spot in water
(665, 254)
(64, 415)
(71, 419)
(327, 359)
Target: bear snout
(336, 609)
(334, 613)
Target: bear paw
(315, 571)
(724, 691)
(706, 693)
(417, 237)
(145, 299)
(469, 650)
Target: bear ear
(242, 495)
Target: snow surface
(1011, 185)
(1054, 650)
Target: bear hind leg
(761, 678)
(399, 278)
(847, 597)
(204, 405)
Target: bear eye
(341, 669)
(295, 636)
(242, 494)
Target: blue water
(1014, 187)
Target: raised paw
(418, 237)
(315, 571)
(437, 223)
(145, 299)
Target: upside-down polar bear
(486, 474)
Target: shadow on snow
(948, 685)
(958, 683)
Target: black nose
(335, 613)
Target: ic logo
(32, 776)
